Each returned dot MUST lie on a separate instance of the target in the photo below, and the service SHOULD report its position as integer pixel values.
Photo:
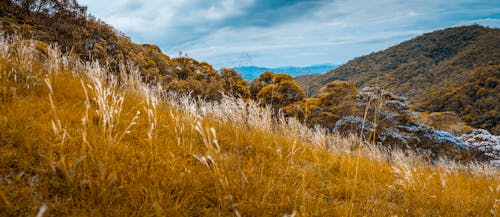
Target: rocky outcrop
(388, 120)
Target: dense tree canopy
(337, 99)
(234, 84)
(475, 98)
(277, 90)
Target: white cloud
(228, 32)
(412, 13)
(157, 18)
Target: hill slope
(81, 138)
(75, 140)
(66, 23)
(426, 66)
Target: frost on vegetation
(402, 136)
(442, 136)
(397, 103)
(357, 121)
(395, 125)
(495, 163)
(485, 142)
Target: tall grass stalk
(86, 142)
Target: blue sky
(229, 33)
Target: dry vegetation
(432, 71)
(66, 23)
(475, 98)
(77, 141)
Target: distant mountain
(252, 72)
(455, 69)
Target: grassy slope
(84, 144)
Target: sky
(271, 33)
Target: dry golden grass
(75, 141)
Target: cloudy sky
(285, 32)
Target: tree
(268, 95)
(337, 99)
(338, 95)
(278, 90)
(290, 92)
(234, 84)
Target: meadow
(76, 140)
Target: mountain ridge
(427, 65)
(252, 72)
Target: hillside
(67, 24)
(77, 140)
(93, 124)
(423, 68)
(253, 72)
(475, 98)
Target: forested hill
(67, 24)
(426, 67)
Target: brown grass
(76, 141)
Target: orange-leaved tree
(234, 84)
(277, 90)
(337, 99)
